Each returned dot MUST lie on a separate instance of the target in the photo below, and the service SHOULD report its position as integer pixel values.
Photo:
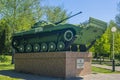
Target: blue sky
(101, 9)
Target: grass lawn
(102, 70)
(7, 78)
(7, 66)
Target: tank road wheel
(82, 48)
(68, 35)
(15, 43)
(44, 47)
(21, 48)
(36, 47)
(74, 48)
(60, 46)
(52, 46)
(28, 48)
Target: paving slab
(102, 77)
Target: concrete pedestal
(55, 64)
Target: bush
(3, 58)
(117, 56)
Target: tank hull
(61, 37)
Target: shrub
(117, 56)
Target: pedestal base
(55, 64)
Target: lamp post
(113, 29)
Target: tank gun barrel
(67, 18)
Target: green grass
(7, 66)
(7, 78)
(102, 70)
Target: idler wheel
(28, 48)
(68, 35)
(21, 48)
(52, 46)
(60, 46)
(44, 47)
(36, 47)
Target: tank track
(60, 44)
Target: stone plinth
(55, 64)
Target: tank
(53, 37)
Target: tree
(2, 36)
(55, 14)
(117, 35)
(102, 46)
(19, 15)
(116, 41)
(117, 18)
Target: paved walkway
(99, 76)
(24, 76)
(117, 68)
(93, 76)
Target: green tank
(46, 37)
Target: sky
(105, 10)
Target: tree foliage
(55, 14)
(104, 45)
(117, 18)
(18, 15)
(117, 40)
(2, 36)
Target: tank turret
(45, 37)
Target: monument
(59, 50)
(55, 64)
